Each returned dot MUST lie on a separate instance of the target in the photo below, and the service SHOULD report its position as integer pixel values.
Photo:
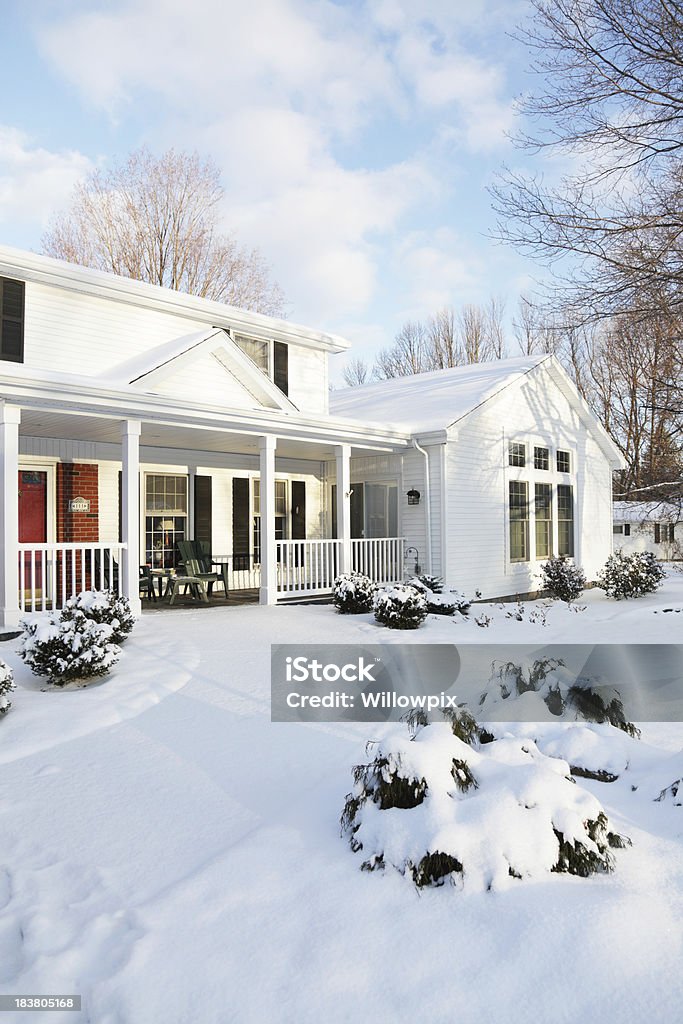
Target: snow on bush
(7, 684)
(400, 607)
(66, 649)
(353, 593)
(631, 575)
(562, 579)
(438, 809)
(433, 583)
(545, 685)
(103, 606)
(438, 602)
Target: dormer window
(272, 357)
(257, 350)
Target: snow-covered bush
(480, 816)
(438, 602)
(103, 606)
(631, 575)
(546, 681)
(433, 583)
(7, 684)
(400, 607)
(65, 649)
(353, 593)
(562, 579)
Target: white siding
(533, 411)
(68, 331)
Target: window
(616, 529)
(541, 458)
(516, 453)
(165, 519)
(280, 514)
(272, 357)
(519, 521)
(563, 462)
(623, 529)
(565, 521)
(664, 533)
(257, 350)
(11, 320)
(544, 520)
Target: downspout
(428, 507)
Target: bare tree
(356, 372)
(409, 354)
(611, 101)
(155, 219)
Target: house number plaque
(79, 505)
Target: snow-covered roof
(430, 401)
(647, 512)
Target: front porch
(272, 553)
(49, 574)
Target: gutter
(428, 507)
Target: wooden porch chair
(198, 563)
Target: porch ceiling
(104, 430)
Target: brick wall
(77, 480)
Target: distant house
(133, 418)
(655, 526)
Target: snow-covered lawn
(171, 854)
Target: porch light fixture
(413, 497)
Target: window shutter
(281, 366)
(298, 510)
(658, 534)
(202, 511)
(11, 320)
(120, 506)
(240, 522)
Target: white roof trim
(32, 267)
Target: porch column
(10, 417)
(268, 593)
(342, 454)
(130, 512)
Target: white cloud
(285, 94)
(34, 182)
(439, 269)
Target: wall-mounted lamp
(413, 497)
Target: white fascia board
(431, 437)
(49, 271)
(75, 399)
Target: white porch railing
(49, 574)
(307, 566)
(380, 558)
(310, 566)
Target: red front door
(32, 522)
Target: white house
(655, 526)
(132, 417)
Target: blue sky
(355, 139)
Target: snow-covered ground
(174, 856)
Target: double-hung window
(519, 521)
(165, 519)
(565, 520)
(280, 515)
(544, 520)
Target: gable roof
(146, 370)
(435, 401)
(431, 401)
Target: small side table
(197, 587)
